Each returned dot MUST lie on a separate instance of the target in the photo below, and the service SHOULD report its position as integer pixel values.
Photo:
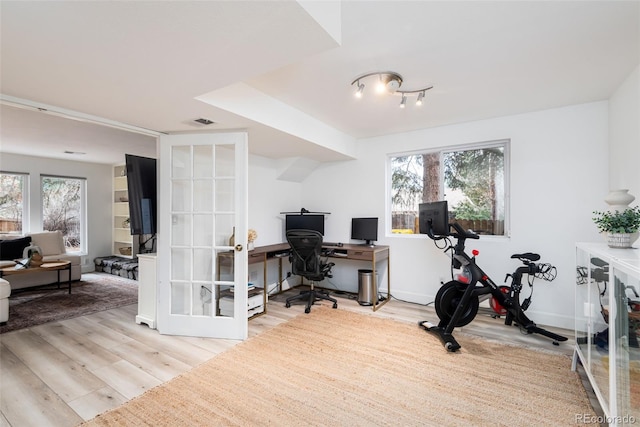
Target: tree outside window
(471, 179)
(13, 205)
(62, 208)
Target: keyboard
(331, 244)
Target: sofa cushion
(51, 242)
(12, 249)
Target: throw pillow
(50, 242)
(12, 249)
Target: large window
(14, 206)
(63, 208)
(472, 179)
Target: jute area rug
(338, 368)
(94, 292)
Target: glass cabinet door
(626, 354)
(600, 306)
(584, 309)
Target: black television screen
(434, 216)
(305, 222)
(364, 229)
(141, 183)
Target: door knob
(239, 247)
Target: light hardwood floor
(62, 373)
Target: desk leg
(265, 288)
(69, 277)
(279, 274)
(376, 306)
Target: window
(472, 179)
(14, 205)
(63, 208)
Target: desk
(375, 254)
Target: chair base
(311, 296)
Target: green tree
(406, 181)
(475, 173)
(11, 201)
(61, 206)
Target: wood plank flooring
(61, 373)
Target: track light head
(420, 98)
(403, 103)
(360, 90)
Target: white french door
(202, 288)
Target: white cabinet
(147, 290)
(607, 311)
(124, 244)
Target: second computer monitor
(305, 222)
(364, 229)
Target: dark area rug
(93, 293)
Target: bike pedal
(427, 325)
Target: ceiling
(283, 69)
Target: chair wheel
(307, 309)
(335, 305)
(287, 304)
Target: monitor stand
(368, 243)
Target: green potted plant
(619, 226)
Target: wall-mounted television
(434, 218)
(141, 183)
(364, 229)
(305, 222)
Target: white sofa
(51, 244)
(5, 292)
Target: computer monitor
(434, 217)
(305, 222)
(364, 229)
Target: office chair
(306, 261)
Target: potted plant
(619, 226)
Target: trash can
(366, 291)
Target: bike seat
(527, 255)
(599, 263)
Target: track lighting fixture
(389, 82)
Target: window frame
(25, 198)
(83, 249)
(505, 143)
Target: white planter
(619, 240)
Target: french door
(202, 274)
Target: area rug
(94, 292)
(339, 368)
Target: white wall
(269, 196)
(99, 197)
(624, 136)
(559, 175)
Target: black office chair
(306, 261)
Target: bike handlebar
(462, 233)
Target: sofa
(50, 244)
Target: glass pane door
(204, 260)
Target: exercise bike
(457, 301)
